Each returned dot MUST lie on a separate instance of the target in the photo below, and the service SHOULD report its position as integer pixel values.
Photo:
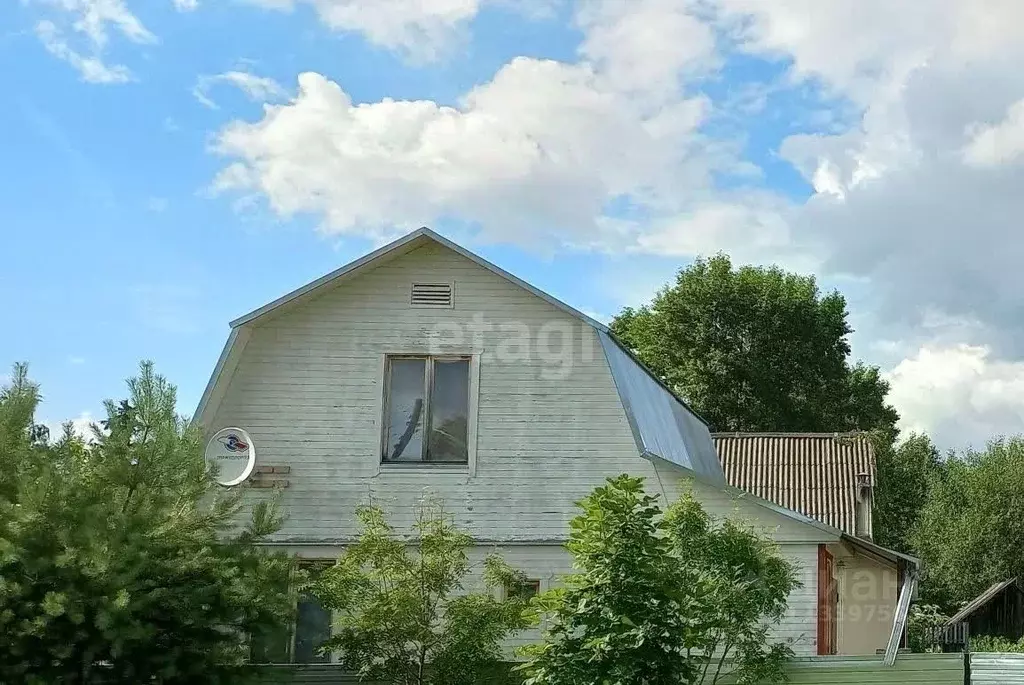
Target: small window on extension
(527, 590)
(299, 643)
(426, 410)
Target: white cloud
(78, 32)
(753, 226)
(916, 196)
(867, 49)
(95, 18)
(960, 395)
(91, 68)
(992, 145)
(186, 5)
(643, 46)
(257, 88)
(76, 360)
(542, 149)
(81, 426)
(896, 205)
(421, 29)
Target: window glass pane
(449, 411)
(405, 410)
(528, 590)
(312, 629)
(271, 647)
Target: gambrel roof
(664, 427)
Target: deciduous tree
(660, 600)
(408, 609)
(905, 470)
(757, 349)
(971, 530)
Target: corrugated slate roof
(812, 473)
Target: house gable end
(629, 401)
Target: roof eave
(226, 363)
(879, 550)
(366, 259)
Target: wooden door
(828, 602)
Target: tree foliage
(905, 471)
(971, 530)
(757, 349)
(921, 621)
(661, 599)
(120, 561)
(404, 611)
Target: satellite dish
(234, 454)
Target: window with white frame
(426, 409)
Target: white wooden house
(422, 368)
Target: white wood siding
(550, 562)
(799, 626)
(308, 389)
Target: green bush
(920, 622)
(989, 643)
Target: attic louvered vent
(431, 295)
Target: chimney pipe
(863, 504)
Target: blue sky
(590, 147)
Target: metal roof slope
(813, 473)
(662, 425)
(980, 601)
(407, 242)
